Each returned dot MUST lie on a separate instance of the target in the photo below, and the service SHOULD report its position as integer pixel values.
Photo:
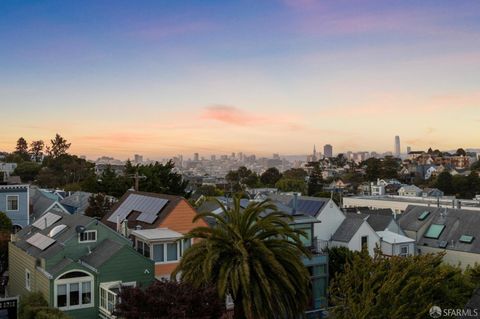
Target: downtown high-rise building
(328, 151)
(397, 146)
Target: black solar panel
(309, 207)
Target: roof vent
(80, 229)
(56, 230)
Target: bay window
(73, 290)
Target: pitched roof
(135, 202)
(102, 253)
(307, 205)
(348, 228)
(456, 222)
(78, 202)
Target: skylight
(423, 215)
(467, 239)
(434, 231)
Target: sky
(161, 78)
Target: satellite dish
(80, 229)
(56, 230)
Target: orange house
(155, 223)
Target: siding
(19, 217)
(180, 218)
(19, 261)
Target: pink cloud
(232, 115)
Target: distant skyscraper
(314, 155)
(213, 157)
(138, 159)
(196, 157)
(409, 149)
(328, 150)
(397, 146)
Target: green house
(77, 263)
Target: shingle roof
(347, 229)
(378, 219)
(71, 221)
(102, 253)
(457, 222)
(78, 201)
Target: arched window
(74, 290)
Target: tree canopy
(383, 287)
(170, 300)
(256, 260)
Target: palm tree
(254, 256)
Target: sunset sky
(162, 78)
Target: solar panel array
(309, 207)
(40, 241)
(148, 206)
(46, 221)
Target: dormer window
(88, 236)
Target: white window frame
(404, 254)
(105, 286)
(180, 250)
(78, 281)
(28, 280)
(18, 203)
(87, 232)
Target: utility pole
(136, 179)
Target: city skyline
(168, 78)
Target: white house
(410, 191)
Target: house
(41, 201)
(356, 234)
(78, 202)
(437, 229)
(155, 222)
(323, 209)
(432, 192)
(6, 169)
(379, 219)
(378, 190)
(409, 191)
(14, 203)
(77, 263)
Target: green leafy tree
(315, 180)
(241, 178)
(27, 171)
(444, 183)
(295, 173)
(21, 150)
(161, 178)
(34, 306)
(291, 185)
(209, 190)
(270, 177)
(373, 169)
(257, 260)
(170, 300)
(98, 205)
(461, 152)
(383, 287)
(58, 146)
(5, 231)
(36, 150)
(389, 167)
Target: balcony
(319, 246)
